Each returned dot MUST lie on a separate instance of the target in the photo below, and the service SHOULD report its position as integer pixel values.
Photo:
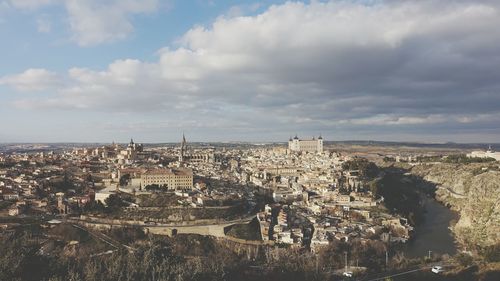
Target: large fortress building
(312, 145)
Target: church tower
(183, 149)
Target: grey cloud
(394, 66)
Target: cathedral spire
(183, 148)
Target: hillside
(474, 191)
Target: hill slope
(474, 193)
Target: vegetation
(249, 231)
(400, 195)
(464, 259)
(94, 207)
(4, 204)
(65, 184)
(463, 159)
(187, 257)
(455, 159)
(491, 253)
(157, 199)
(114, 203)
(366, 168)
(155, 187)
(127, 235)
(124, 179)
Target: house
(343, 199)
(39, 203)
(8, 194)
(15, 210)
(287, 195)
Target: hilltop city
(301, 196)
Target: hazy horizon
(256, 142)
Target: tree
(94, 207)
(153, 187)
(366, 168)
(114, 203)
(124, 179)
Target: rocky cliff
(474, 191)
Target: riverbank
(433, 233)
(479, 188)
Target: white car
(437, 269)
(347, 274)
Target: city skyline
(94, 71)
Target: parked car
(347, 274)
(437, 269)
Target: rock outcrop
(474, 191)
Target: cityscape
(306, 198)
(249, 140)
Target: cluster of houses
(318, 200)
(315, 199)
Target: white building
(485, 154)
(313, 145)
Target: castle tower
(320, 144)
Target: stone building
(187, 155)
(172, 179)
(314, 145)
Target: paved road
(420, 268)
(141, 224)
(453, 193)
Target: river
(433, 234)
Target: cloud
(387, 119)
(94, 22)
(339, 65)
(241, 10)
(32, 80)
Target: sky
(109, 70)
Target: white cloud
(94, 22)
(33, 79)
(323, 65)
(241, 10)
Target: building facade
(314, 145)
(172, 179)
(188, 155)
(490, 153)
